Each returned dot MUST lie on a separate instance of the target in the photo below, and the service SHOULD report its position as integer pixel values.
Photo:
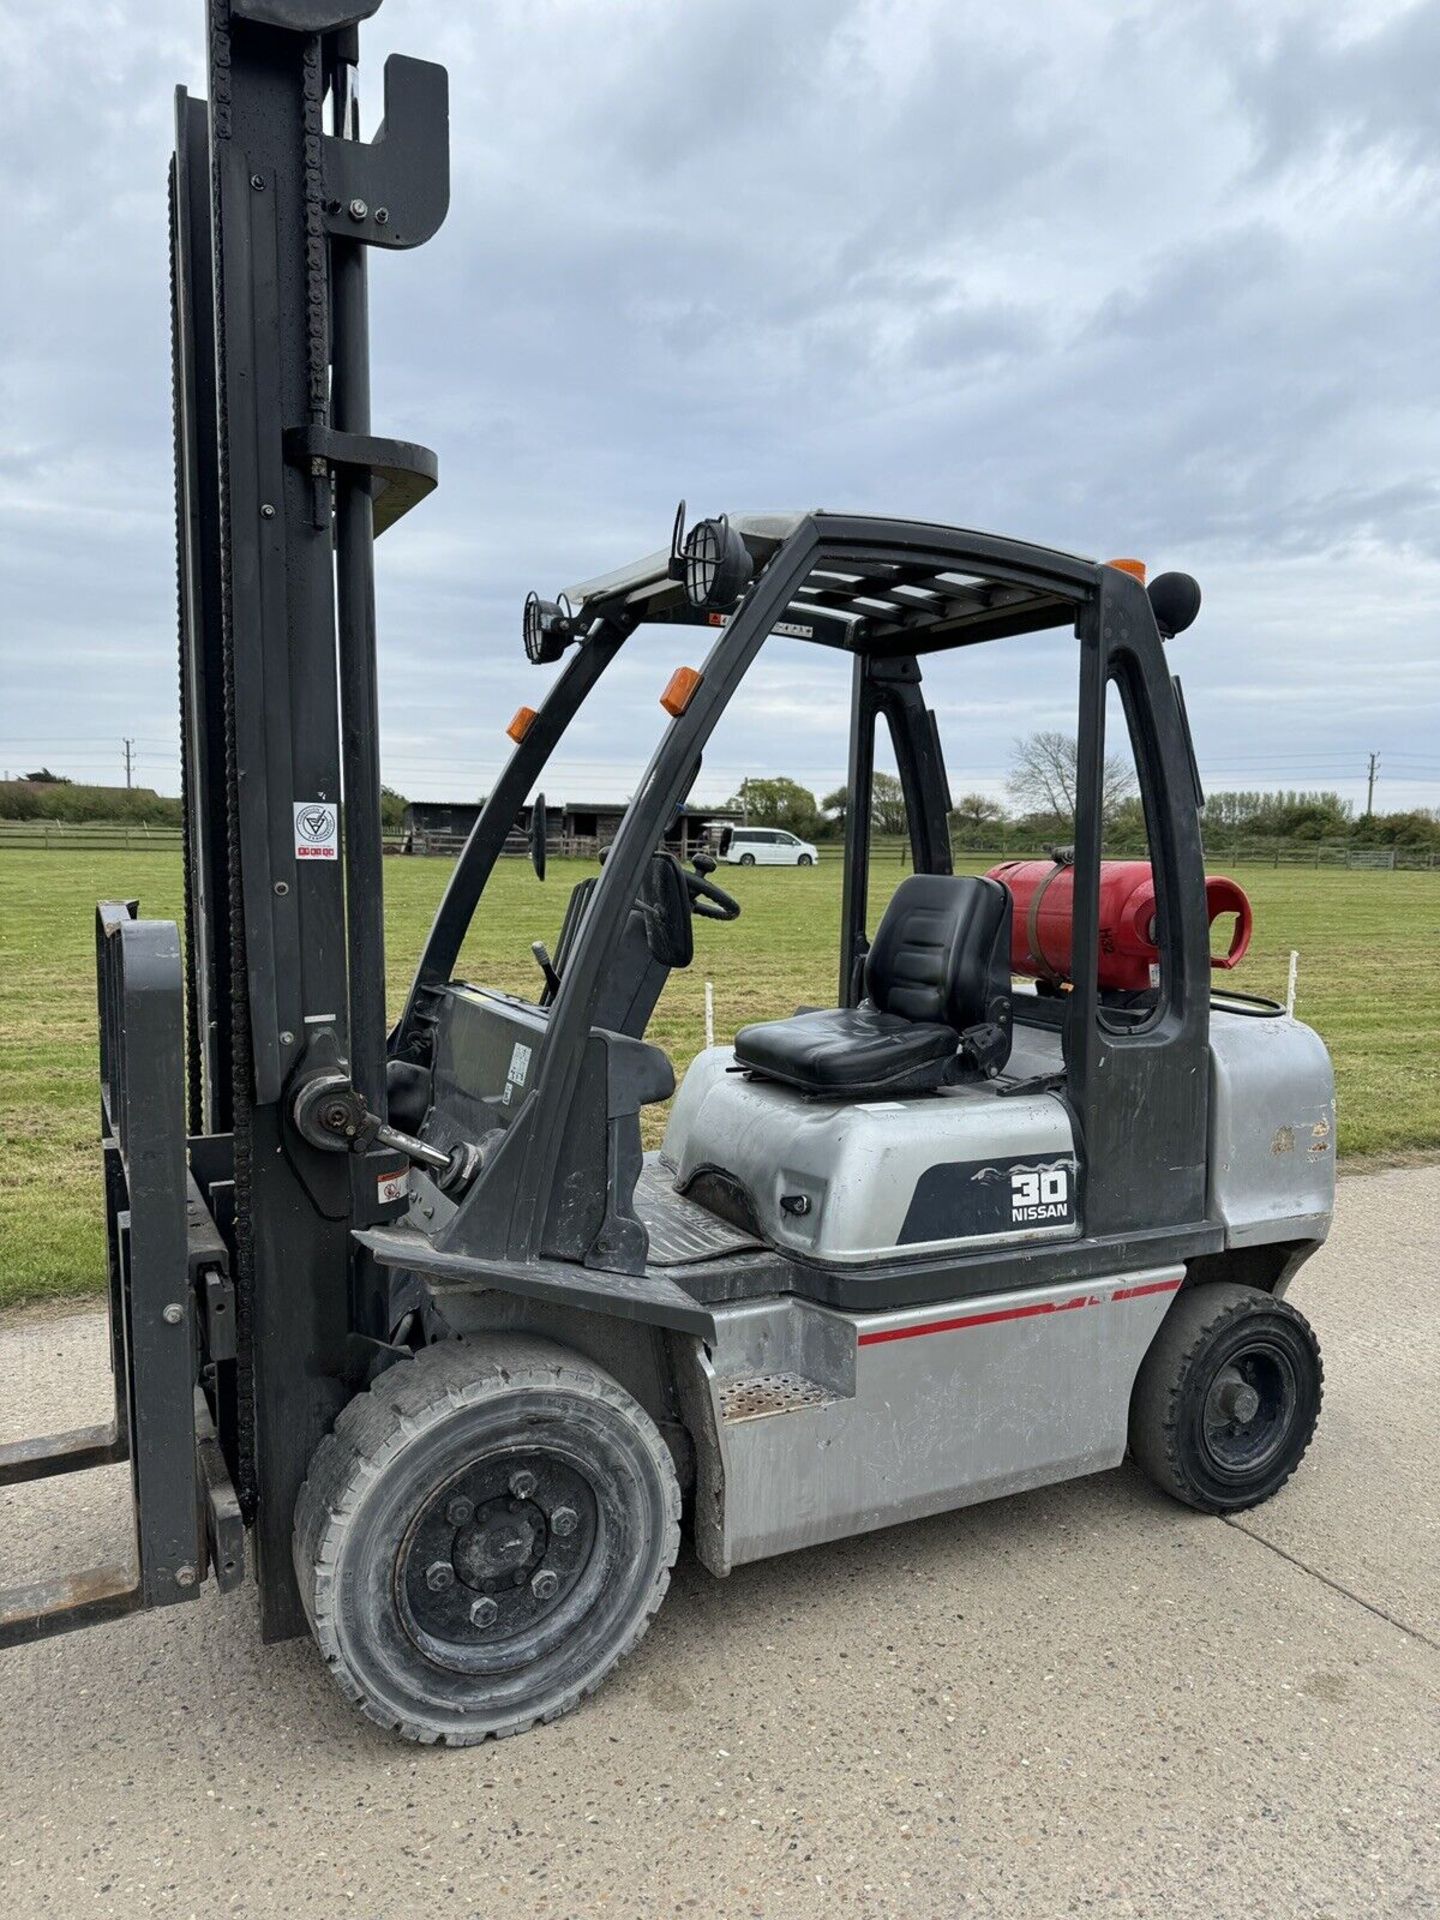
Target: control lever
(707, 901)
(546, 966)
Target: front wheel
(487, 1531)
(805, 861)
(1226, 1400)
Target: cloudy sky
(1122, 277)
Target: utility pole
(1370, 788)
(129, 744)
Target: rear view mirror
(663, 902)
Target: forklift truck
(405, 1323)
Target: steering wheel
(707, 901)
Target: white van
(765, 847)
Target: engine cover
(836, 1181)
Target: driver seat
(936, 1006)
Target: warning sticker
(515, 1075)
(391, 1187)
(317, 830)
(788, 629)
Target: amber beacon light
(680, 690)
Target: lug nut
(522, 1483)
(545, 1585)
(484, 1613)
(564, 1520)
(460, 1511)
(439, 1575)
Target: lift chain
(242, 1064)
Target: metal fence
(1252, 853)
(87, 836)
(98, 836)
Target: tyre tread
(406, 1400)
(1194, 1320)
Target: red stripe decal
(1139, 1293)
(1016, 1313)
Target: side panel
(1272, 1129)
(831, 1424)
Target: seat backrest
(942, 952)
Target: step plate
(756, 1396)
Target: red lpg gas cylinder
(1044, 896)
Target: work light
(718, 567)
(1175, 601)
(549, 628)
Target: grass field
(1368, 981)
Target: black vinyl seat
(937, 1000)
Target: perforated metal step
(756, 1396)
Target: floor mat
(681, 1232)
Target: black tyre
(488, 1530)
(1227, 1398)
(747, 860)
(804, 861)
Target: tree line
(1039, 810)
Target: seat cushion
(942, 951)
(848, 1051)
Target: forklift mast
(281, 490)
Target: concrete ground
(1081, 1701)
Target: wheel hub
(494, 1553)
(1248, 1410)
(1239, 1402)
(506, 1537)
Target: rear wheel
(1227, 1398)
(488, 1530)
(747, 860)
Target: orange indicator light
(680, 689)
(525, 718)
